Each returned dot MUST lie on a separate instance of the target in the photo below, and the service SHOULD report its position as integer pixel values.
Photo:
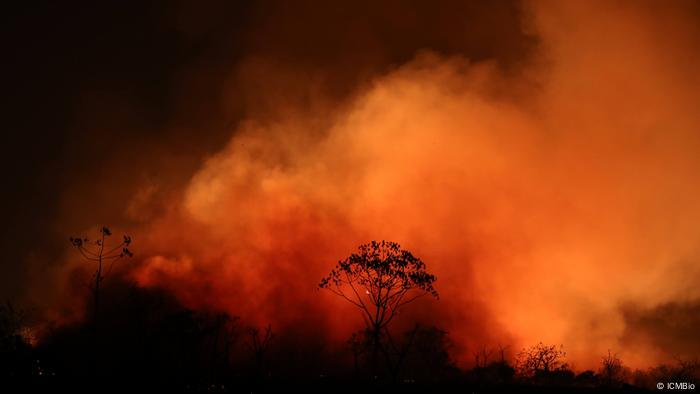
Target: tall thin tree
(380, 279)
(98, 252)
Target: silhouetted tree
(380, 279)
(224, 338)
(492, 367)
(687, 370)
(611, 371)
(402, 350)
(543, 364)
(420, 354)
(482, 357)
(259, 345)
(360, 342)
(99, 252)
(429, 357)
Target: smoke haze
(545, 170)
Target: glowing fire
(544, 200)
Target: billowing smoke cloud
(550, 202)
(670, 326)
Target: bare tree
(491, 366)
(482, 357)
(379, 280)
(540, 359)
(259, 345)
(611, 370)
(101, 254)
(502, 353)
(224, 333)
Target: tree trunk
(95, 320)
(376, 333)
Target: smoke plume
(551, 191)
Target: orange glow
(545, 201)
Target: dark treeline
(147, 337)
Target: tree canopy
(379, 279)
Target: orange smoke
(545, 201)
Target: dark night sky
(589, 109)
(91, 86)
